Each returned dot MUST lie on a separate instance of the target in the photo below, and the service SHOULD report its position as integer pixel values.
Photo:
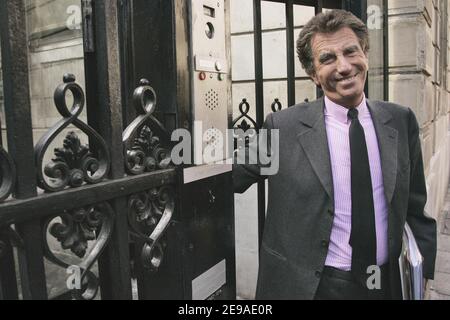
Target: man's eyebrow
(352, 48)
(325, 56)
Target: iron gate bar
(290, 46)
(259, 74)
(8, 281)
(318, 9)
(126, 38)
(250, 32)
(259, 103)
(272, 80)
(20, 140)
(18, 211)
(104, 104)
(7, 174)
(318, 6)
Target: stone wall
(48, 64)
(56, 52)
(419, 79)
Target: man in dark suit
(350, 176)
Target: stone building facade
(419, 54)
(419, 78)
(55, 48)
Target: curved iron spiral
(74, 164)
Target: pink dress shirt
(337, 127)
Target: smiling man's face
(340, 66)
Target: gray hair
(328, 22)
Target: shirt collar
(340, 113)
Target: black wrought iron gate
(119, 201)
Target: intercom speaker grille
(213, 136)
(212, 99)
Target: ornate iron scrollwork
(244, 125)
(241, 123)
(74, 231)
(74, 164)
(146, 141)
(149, 215)
(276, 105)
(7, 174)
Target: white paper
(209, 282)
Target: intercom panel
(209, 80)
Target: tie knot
(352, 114)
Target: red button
(202, 76)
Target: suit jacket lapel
(387, 143)
(312, 136)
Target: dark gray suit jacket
(301, 205)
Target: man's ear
(315, 79)
(366, 53)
